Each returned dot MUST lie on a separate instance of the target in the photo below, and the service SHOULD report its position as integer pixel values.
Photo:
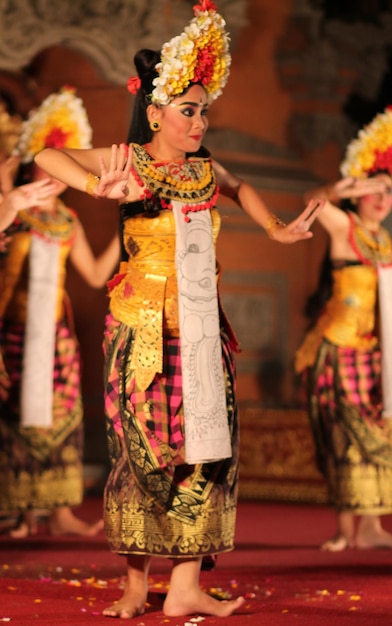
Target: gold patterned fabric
(39, 467)
(154, 502)
(341, 359)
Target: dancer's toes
(336, 544)
(27, 525)
(20, 532)
(124, 609)
(199, 603)
(64, 522)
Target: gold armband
(91, 184)
(273, 222)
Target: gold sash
(145, 295)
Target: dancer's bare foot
(63, 522)
(336, 544)
(344, 537)
(134, 597)
(197, 602)
(130, 605)
(371, 534)
(27, 525)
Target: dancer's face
(183, 124)
(376, 207)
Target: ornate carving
(277, 457)
(107, 31)
(333, 60)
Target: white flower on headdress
(371, 150)
(199, 55)
(59, 122)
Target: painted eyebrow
(194, 104)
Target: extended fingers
(113, 159)
(118, 160)
(308, 215)
(313, 209)
(102, 165)
(39, 188)
(361, 186)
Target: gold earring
(155, 126)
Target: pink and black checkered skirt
(353, 441)
(41, 467)
(155, 503)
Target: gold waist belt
(148, 303)
(137, 290)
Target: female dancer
(342, 355)
(41, 429)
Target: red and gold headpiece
(199, 55)
(59, 122)
(371, 150)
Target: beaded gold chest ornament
(372, 248)
(56, 226)
(191, 182)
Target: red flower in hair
(383, 160)
(205, 5)
(56, 138)
(134, 84)
(205, 66)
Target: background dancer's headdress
(199, 55)
(371, 150)
(59, 122)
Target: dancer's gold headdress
(59, 122)
(371, 150)
(199, 55)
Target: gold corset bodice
(147, 281)
(349, 316)
(14, 276)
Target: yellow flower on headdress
(199, 55)
(371, 150)
(59, 122)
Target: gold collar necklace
(190, 181)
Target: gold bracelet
(273, 222)
(91, 184)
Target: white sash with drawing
(39, 347)
(207, 435)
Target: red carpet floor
(277, 566)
